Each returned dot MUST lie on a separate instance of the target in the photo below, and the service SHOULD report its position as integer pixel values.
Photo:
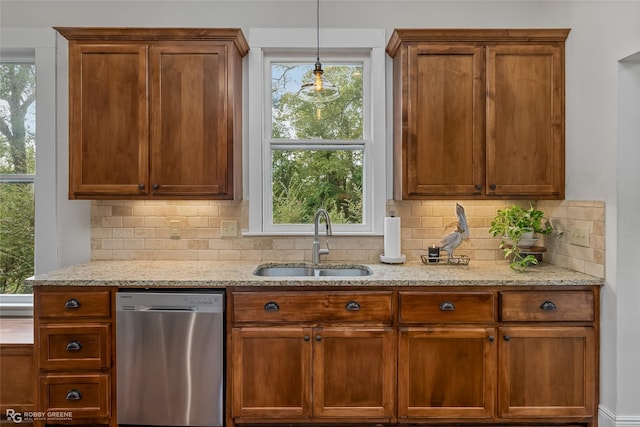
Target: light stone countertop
(221, 274)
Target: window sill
(16, 305)
(310, 233)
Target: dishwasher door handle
(167, 309)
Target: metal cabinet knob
(74, 395)
(447, 306)
(72, 303)
(74, 346)
(271, 306)
(548, 306)
(352, 306)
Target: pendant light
(318, 89)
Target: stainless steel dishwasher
(170, 358)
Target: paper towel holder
(392, 259)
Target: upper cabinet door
(155, 113)
(444, 153)
(525, 120)
(478, 113)
(190, 151)
(108, 123)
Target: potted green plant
(516, 225)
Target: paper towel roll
(392, 237)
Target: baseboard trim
(607, 418)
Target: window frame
(366, 46)
(269, 143)
(37, 46)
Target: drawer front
(71, 304)
(547, 306)
(447, 307)
(312, 306)
(81, 396)
(75, 347)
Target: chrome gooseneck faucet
(315, 257)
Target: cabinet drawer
(312, 306)
(83, 396)
(547, 306)
(71, 304)
(449, 307)
(75, 347)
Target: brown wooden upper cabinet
(478, 113)
(155, 113)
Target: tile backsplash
(191, 230)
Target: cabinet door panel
(525, 116)
(108, 124)
(446, 372)
(70, 346)
(272, 372)
(354, 370)
(81, 395)
(189, 135)
(547, 371)
(444, 151)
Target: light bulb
(317, 85)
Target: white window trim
(264, 40)
(39, 45)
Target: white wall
(602, 33)
(628, 259)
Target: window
(31, 53)
(304, 155)
(17, 173)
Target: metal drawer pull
(548, 306)
(74, 395)
(507, 338)
(318, 338)
(491, 338)
(352, 306)
(271, 306)
(72, 303)
(447, 306)
(74, 346)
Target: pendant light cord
(318, 30)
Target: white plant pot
(526, 241)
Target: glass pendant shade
(318, 89)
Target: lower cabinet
(446, 373)
(547, 372)
(74, 354)
(325, 369)
(501, 356)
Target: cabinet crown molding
(156, 34)
(401, 35)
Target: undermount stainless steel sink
(312, 271)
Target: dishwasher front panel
(169, 366)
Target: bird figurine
(454, 239)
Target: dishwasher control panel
(200, 302)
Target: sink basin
(311, 271)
